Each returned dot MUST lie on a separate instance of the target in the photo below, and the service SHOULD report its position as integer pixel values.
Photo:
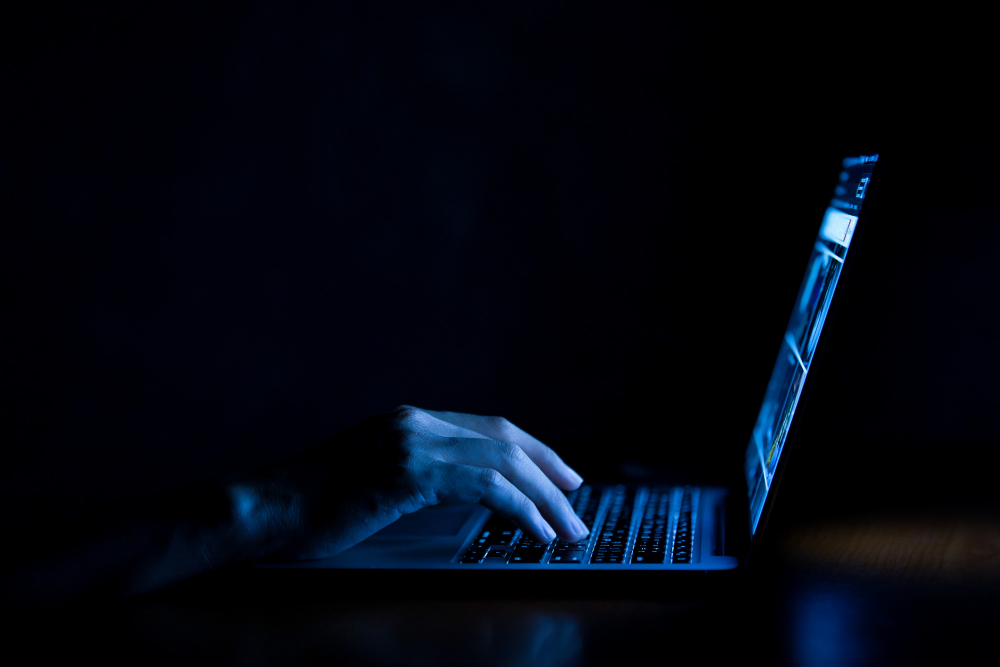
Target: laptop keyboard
(651, 543)
(650, 525)
(613, 541)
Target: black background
(231, 230)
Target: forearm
(149, 545)
(230, 520)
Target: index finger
(499, 428)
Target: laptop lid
(795, 368)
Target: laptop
(647, 527)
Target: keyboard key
(497, 536)
(566, 557)
(527, 555)
(648, 558)
(473, 556)
(498, 530)
(496, 556)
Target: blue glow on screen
(804, 327)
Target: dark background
(231, 230)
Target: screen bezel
(752, 546)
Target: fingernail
(574, 477)
(581, 526)
(548, 533)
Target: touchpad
(433, 521)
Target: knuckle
(405, 415)
(511, 453)
(489, 479)
(500, 424)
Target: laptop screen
(808, 315)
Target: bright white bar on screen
(838, 226)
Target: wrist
(266, 515)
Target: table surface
(871, 589)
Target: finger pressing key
(520, 471)
(472, 484)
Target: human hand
(348, 487)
